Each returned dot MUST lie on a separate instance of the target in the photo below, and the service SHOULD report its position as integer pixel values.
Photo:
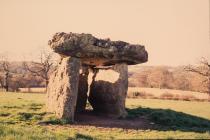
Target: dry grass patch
(166, 94)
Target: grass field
(23, 116)
(171, 93)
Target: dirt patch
(89, 118)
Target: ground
(170, 93)
(23, 116)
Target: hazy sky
(175, 32)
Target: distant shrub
(188, 98)
(167, 95)
(143, 95)
(170, 96)
(176, 97)
(136, 94)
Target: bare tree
(42, 68)
(1, 81)
(6, 71)
(203, 69)
(160, 78)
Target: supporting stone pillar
(82, 89)
(63, 89)
(108, 90)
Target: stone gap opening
(104, 88)
(86, 78)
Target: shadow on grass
(83, 137)
(141, 118)
(56, 121)
(166, 119)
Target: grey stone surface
(109, 89)
(82, 89)
(63, 89)
(97, 52)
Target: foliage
(203, 70)
(43, 68)
(166, 77)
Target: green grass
(171, 120)
(22, 115)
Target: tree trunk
(7, 81)
(7, 88)
(46, 84)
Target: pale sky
(174, 32)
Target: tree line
(191, 77)
(26, 74)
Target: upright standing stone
(108, 90)
(63, 88)
(82, 89)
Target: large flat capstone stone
(97, 52)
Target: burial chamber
(82, 54)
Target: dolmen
(81, 54)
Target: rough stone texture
(63, 88)
(108, 91)
(82, 89)
(68, 86)
(97, 52)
